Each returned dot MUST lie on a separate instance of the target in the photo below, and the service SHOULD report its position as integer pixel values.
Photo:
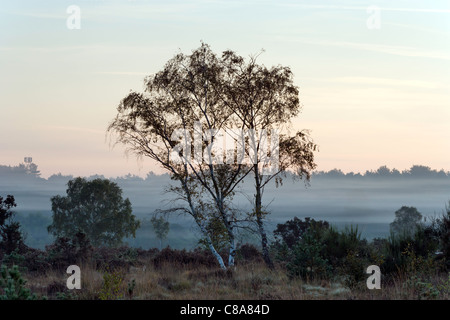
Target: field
(182, 271)
(367, 202)
(126, 274)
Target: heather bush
(67, 251)
(248, 253)
(56, 288)
(115, 258)
(36, 261)
(180, 258)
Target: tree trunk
(231, 238)
(211, 246)
(259, 220)
(202, 227)
(232, 253)
(265, 249)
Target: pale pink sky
(371, 97)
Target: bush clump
(313, 249)
(12, 285)
(67, 251)
(180, 258)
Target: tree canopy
(204, 97)
(11, 237)
(95, 208)
(161, 228)
(406, 221)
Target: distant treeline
(23, 171)
(416, 171)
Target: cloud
(388, 82)
(73, 129)
(123, 73)
(382, 48)
(424, 10)
(343, 7)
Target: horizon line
(313, 172)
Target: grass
(250, 281)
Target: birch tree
(265, 101)
(179, 121)
(180, 103)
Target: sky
(374, 76)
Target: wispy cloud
(72, 128)
(344, 7)
(90, 48)
(424, 10)
(122, 73)
(39, 15)
(373, 81)
(382, 48)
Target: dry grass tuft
(190, 280)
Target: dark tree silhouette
(95, 208)
(293, 230)
(407, 220)
(161, 228)
(187, 92)
(266, 100)
(207, 93)
(11, 237)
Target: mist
(367, 201)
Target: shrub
(31, 260)
(321, 249)
(444, 288)
(56, 287)
(14, 258)
(182, 258)
(130, 288)
(36, 261)
(248, 253)
(334, 248)
(353, 269)
(444, 234)
(406, 252)
(305, 259)
(281, 253)
(66, 296)
(423, 290)
(12, 285)
(117, 258)
(112, 286)
(338, 244)
(65, 251)
(298, 242)
(11, 238)
(293, 230)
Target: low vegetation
(309, 269)
(312, 260)
(177, 274)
